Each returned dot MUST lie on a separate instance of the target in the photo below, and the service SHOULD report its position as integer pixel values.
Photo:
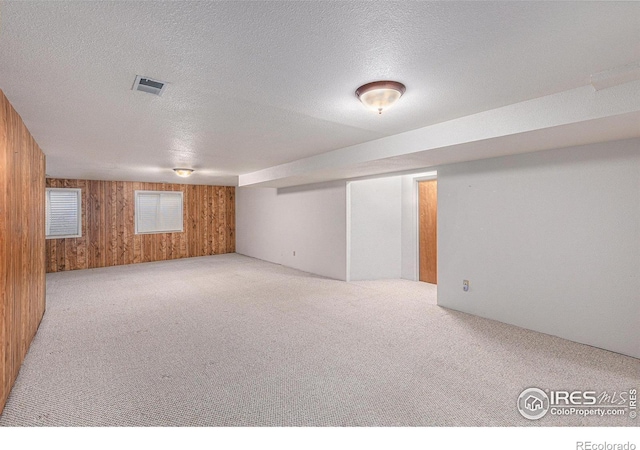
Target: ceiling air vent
(146, 84)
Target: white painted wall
(409, 241)
(375, 228)
(550, 241)
(311, 220)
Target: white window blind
(63, 213)
(158, 211)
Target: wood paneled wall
(108, 233)
(22, 241)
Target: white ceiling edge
(575, 117)
(65, 170)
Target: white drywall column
(375, 228)
(550, 241)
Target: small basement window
(63, 213)
(158, 212)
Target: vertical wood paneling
(231, 221)
(90, 215)
(223, 221)
(120, 223)
(112, 226)
(205, 223)
(49, 251)
(108, 228)
(129, 229)
(60, 255)
(22, 243)
(99, 221)
(210, 223)
(192, 212)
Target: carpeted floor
(229, 340)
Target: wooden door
(428, 234)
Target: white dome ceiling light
(380, 95)
(183, 172)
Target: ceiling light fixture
(380, 95)
(183, 172)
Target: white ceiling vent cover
(146, 84)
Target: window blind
(158, 211)
(63, 217)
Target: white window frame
(47, 207)
(137, 196)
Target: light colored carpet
(230, 340)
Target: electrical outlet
(465, 285)
(294, 253)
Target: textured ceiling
(259, 84)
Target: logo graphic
(533, 403)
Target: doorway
(428, 231)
